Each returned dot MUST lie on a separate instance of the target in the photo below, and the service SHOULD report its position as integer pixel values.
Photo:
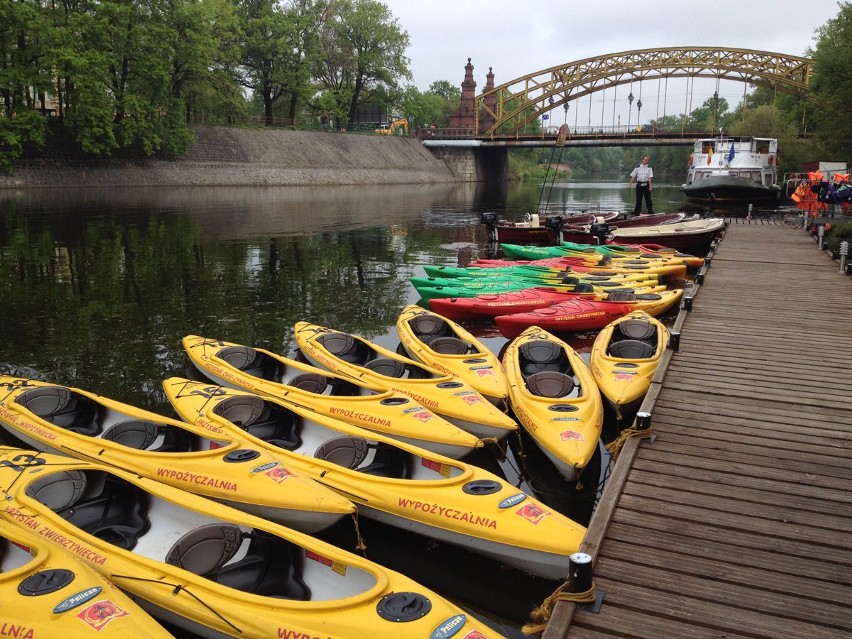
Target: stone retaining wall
(231, 157)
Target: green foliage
(29, 128)
(838, 233)
(832, 84)
(435, 106)
(363, 56)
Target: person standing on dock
(643, 175)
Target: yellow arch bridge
(500, 114)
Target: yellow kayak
(399, 484)
(225, 467)
(48, 592)
(555, 398)
(442, 344)
(359, 359)
(623, 360)
(383, 411)
(210, 569)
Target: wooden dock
(735, 520)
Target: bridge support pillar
(475, 164)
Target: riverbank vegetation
(118, 76)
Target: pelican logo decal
(513, 500)
(266, 466)
(100, 613)
(450, 627)
(77, 600)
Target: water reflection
(100, 285)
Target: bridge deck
(736, 520)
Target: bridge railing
(550, 133)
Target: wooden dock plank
(736, 519)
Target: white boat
(733, 170)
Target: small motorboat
(69, 421)
(440, 343)
(623, 360)
(694, 237)
(383, 411)
(359, 359)
(210, 569)
(398, 484)
(555, 398)
(585, 314)
(48, 592)
(524, 301)
(537, 229)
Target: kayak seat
(352, 452)
(310, 382)
(387, 367)
(261, 419)
(206, 548)
(449, 346)
(58, 490)
(631, 349)
(621, 296)
(277, 426)
(134, 433)
(251, 362)
(240, 409)
(428, 327)
(388, 461)
(541, 355)
(636, 329)
(270, 566)
(64, 408)
(648, 296)
(345, 347)
(550, 384)
(109, 508)
(348, 452)
(173, 439)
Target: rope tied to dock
(615, 446)
(541, 614)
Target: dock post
(579, 572)
(643, 420)
(674, 341)
(844, 251)
(821, 234)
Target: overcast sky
(517, 38)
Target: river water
(100, 285)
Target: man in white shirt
(643, 175)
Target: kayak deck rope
(541, 614)
(360, 545)
(615, 446)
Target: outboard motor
(600, 229)
(489, 219)
(554, 222)
(490, 222)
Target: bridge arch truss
(524, 99)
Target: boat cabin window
(706, 147)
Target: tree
(203, 41)
(832, 83)
(363, 55)
(24, 78)
(432, 107)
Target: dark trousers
(643, 190)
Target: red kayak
(587, 314)
(529, 299)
